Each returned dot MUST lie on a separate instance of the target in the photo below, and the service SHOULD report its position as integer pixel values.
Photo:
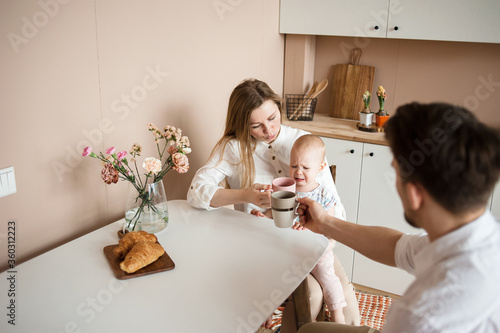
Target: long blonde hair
(246, 97)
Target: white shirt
(270, 160)
(457, 285)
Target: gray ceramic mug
(284, 207)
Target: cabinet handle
(371, 154)
(351, 151)
(376, 27)
(396, 28)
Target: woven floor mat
(373, 310)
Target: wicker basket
(300, 108)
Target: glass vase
(147, 211)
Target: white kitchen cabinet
(346, 156)
(446, 20)
(366, 184)
(333, 17)
(380, 205)
(495, 202)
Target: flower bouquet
(147, 206)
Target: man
(447, 164)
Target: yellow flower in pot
(366, 115)
(366, 99)
(381, 115)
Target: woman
(254, 149)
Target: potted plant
(366, 115)
(381, 115)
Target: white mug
(284, 207)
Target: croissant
(140, 256)
(134, 237)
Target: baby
(307, 159)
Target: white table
(232, 271)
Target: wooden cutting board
(164, 263)
(349, 84)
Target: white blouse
(271, 161)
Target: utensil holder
(306, 105)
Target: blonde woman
(254, 149)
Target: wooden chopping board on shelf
(349, 83)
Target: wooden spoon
(312, 90)
(317, 90)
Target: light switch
(7, 182)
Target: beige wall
(78, 73)
(466, 74)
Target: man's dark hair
(447, 150)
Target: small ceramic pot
(365, 118)
(381, 120)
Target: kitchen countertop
(336, 128)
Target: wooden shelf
(324, 125)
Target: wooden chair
(306, 303)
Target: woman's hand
(259, 195)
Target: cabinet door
(495, 202)
(449, 20)
(346, 156)
(380, 205)
(361, 18)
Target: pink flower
(136, 150)
(152, 127)
(181, 162)
(121, 155)
(172, 150)
(109, 174)
(86, 151)
(185, 141)
(110, 150)
(152, 164)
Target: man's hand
(298, 226)
(311, 214)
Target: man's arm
(376, 243)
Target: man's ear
(415, 194)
